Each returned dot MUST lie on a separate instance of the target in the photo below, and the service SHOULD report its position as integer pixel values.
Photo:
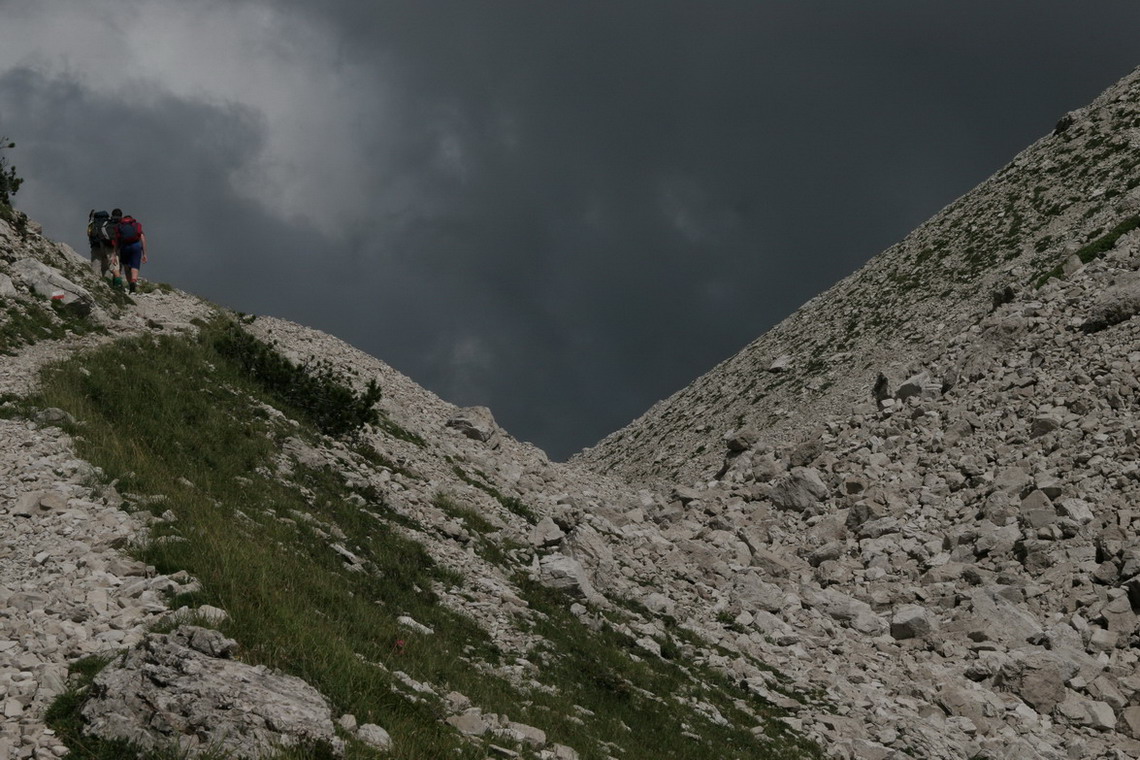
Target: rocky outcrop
(475, 422)
(182, 690)
(49, 283)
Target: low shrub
(1095, 249)
(313, 389)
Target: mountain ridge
(1040, 205)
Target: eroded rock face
(475, 422)
(183, 689)
(49, 283)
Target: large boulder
(801, 489)
(566, 574)
(182, 689)
(1117, 304)
(912, 621)
(922, 385)
(742, 439)
(546, 533)
(475, 422)
(49, 283)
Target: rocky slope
(72, 587)
(946, 567)
(1067, 189)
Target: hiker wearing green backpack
(130, 246)
(100, 235)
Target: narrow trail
(66, 589)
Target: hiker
(99, 235)
(130, 246)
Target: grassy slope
(174, 417)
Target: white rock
(912, 621)
(412, 624)
(374, 736)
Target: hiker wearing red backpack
(130, 246)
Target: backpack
(99, 232)
(128, 231)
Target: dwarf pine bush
(9, 181)
(313, 389)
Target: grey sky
(564, 210)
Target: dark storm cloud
(164, 160)
(650, 185)
(574, 209)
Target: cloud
(564, 211)
(314, 105)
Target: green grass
(195, 430)
(314, 390)
(1095, 249)
(23, 323)
(636, 697)
(294, 605)
(512, 504)
(399, 432)
(470, 518)
(145, 286)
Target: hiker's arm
(142, 238)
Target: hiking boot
(133, 287)
(117, 283)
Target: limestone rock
(475, 422)
(413, 625)
(921, 385)
(801, 489)
(567, 574)
(1087, 712)
(1076, 509)
(181, 685)
(49, 283)
(1130, 718)
(546, 533)
(780, 364)
(470, 722)
(742, 439)
(912, 621)
(374, 736)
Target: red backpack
(128, 231)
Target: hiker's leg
(116, 265)
(98, 261)
(132, 260)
